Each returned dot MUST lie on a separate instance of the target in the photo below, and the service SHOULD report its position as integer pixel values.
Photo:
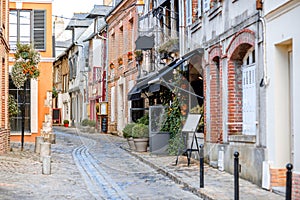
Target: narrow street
(84, 166)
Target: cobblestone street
(84, 166)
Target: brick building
(122, 71)
(4, 50)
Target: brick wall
(278, 177)
(216, 110)
(236, 51)
(4, 141)
(122, 34)
(4, 49)
(296, 186)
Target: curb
(173, 177)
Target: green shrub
(144, 120)
(140, 131)
(66, 121)
(85, 122)
(92, 123)
(127, 131)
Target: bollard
(45, 150)
(236, 175)
(289, 176)
(46, 165)
(52, 138)
(38, 141)
(201, 166)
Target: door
(249, 95)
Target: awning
(150, 82)
(134, 93)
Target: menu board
(104, 125)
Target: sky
(66, 8)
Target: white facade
(283, 92)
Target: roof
(99, 10)
(79, 20)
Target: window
(65, 83)
(97, 74)
(27, 26)
(16, 122)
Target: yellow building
(31, 22)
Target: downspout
(181, 28)
(265, 81)
(106, 66)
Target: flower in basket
(120, 61)
(129, 55)
(25, 67)
(112, 65)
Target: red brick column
(215, 99)
(236, 51)
(296, 186)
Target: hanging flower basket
(129, 56)
(138, 55)
(111, 65)
(120, 61)
(25, 67)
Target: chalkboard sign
(56, 115)
(104, 125)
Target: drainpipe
(265, 81)
(181, 28)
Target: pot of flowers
(66, 123)
(140, 134)
(127, 133)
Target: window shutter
(189, 12)
(206, 5)
(39, 29)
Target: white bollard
(45, 150)
(38, 141)
(46, 165)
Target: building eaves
(79, 20)
(99, 10)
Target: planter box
(159, 143)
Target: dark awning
(150, 81)
(134, 93)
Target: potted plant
(127, 133)
(84, 124)
(120, 61)
(66, 123)
(111, 65)
(138, 55)
(92, 124)
(171, 45)
(129, 56)
(140, 134)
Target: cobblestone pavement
(84, 166)
(96, 166)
